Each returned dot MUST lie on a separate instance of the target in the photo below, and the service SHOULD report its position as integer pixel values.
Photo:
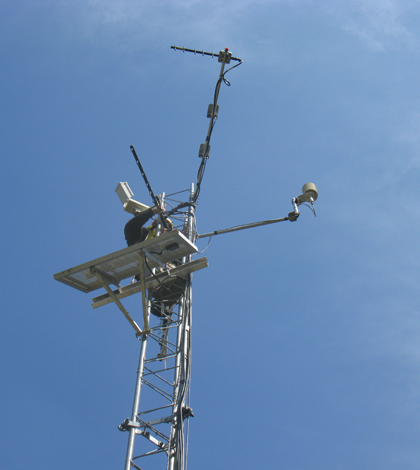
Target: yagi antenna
(224, 57)
(156, 201)
(211, 54)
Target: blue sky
(305, 335)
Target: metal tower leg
(132, 424)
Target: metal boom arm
(243, 227)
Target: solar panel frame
(124, 263)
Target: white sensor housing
(130, 205)
(124, 192)
(309, 194)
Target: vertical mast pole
(174, 443)
(132, 435)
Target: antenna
(224, 57)
(152, 194)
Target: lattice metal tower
(163, 375)
(161, 269)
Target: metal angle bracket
(146, 424)
(152, 439)
(126, 424)
(157, 432)
(154, 258)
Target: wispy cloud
(380, 24)
(147, 21)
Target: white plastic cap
(310, 187)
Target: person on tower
(136, 232)
(164, 296)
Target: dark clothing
(166, 296)
(169, 292)
(134, 231)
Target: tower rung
(171, 346)
(152, 452)
(158, 433)
(159, 358)
(157, 371)
(161, 378)
(154, 409)
(158, 390)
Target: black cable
(202, 167)
(175, 296)
(179, 206)
(153, 274)
(184, 382)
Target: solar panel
(124, 263)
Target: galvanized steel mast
(166, 346)
(165, 371)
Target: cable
(179, 206)
(184, 379)
(208, 243)
(157, 279)
(202, 167)
(312, 208)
